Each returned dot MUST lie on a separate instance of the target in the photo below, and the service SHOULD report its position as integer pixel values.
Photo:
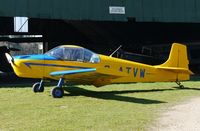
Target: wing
(86, 76)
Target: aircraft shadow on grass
(114, 95)
(187, 88)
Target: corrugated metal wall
(140, 10)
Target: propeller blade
(9, 58)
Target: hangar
(143, 26)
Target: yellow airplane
(77, 65)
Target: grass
(115, 107)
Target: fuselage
(105, 69)
(109, 70)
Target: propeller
(9, 58)
(6, 59)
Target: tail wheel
(37, 87)
(57, 92)
(181, 86)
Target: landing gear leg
(38, 87)
(179, 84)
(58, 92)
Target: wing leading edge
(70, 72)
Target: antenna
(116, 50)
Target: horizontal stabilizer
(70, 72)
(176, 70)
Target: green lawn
(86, 108)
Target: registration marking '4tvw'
(134, 70)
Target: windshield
(74, 54)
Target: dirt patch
(183, 117)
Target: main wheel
(37, 87)
(57, 92)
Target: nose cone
(29, 66)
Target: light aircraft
(77, 65)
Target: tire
(57, 92)
(37, 87)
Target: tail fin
(178, 57)
(178, 60)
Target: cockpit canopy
(74, 53)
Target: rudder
(178, 57)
